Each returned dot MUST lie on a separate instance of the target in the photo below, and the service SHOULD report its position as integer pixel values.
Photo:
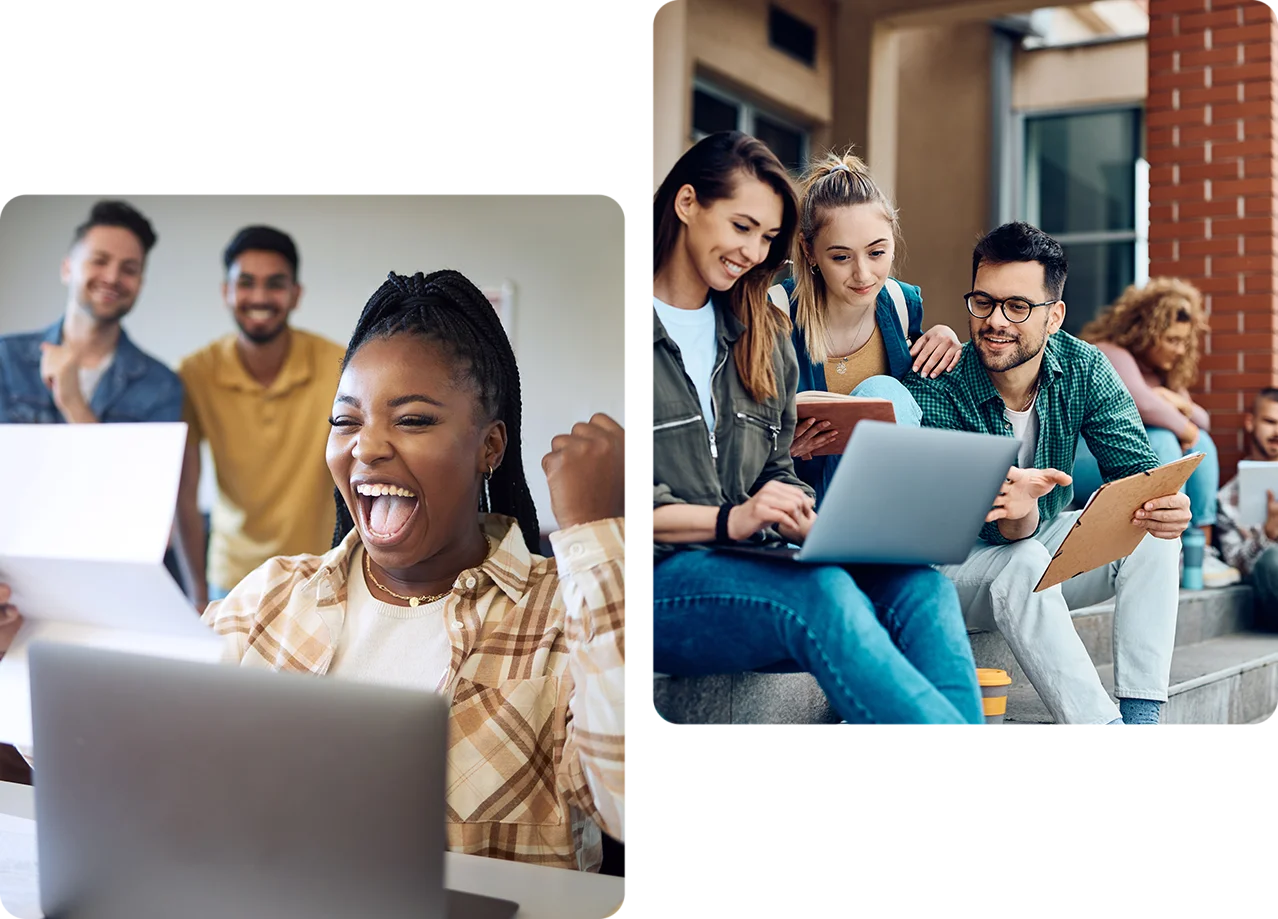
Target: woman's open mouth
(386, 512)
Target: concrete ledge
(743, 698)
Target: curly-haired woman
(1150, 335)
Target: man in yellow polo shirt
(261, 398)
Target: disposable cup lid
(989, 677)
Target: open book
(87, 513)
(843, 413)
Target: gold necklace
(412, 601)
(842, 366)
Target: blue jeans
(1201, 487)
(887, 647)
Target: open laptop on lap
(904, 495)
(167, 788)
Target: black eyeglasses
(1016, 309)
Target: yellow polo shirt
(274, 491)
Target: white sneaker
(1215, 572)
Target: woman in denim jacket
(857, 331)
(886, 643)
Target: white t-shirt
(91, 377)
(393, 645)
(693, 332)
(1025, 427)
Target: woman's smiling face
(408, 448)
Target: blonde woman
(857, 330)
(1150, 335)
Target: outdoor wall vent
(792, 35)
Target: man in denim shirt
(83, 369)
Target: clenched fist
(586, 472)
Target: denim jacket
(819, 471)
(136, 387)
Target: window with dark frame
(1082, 186)
(714, 109)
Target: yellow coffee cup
(994, 685)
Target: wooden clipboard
(1105, 532)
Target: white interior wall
(563, 256)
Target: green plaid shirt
(1079, 393)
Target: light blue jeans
(1201, 487)
(892, 389)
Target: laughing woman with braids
(433, 581)
(423, 590)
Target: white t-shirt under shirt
(393, 645)
(693, 331)
(1025, 428)
(90, 377)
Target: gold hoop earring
(489, 474)
(814, 269)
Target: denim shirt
(819, 471)
(136, 387)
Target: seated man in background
(1021, 376)
(84, 369)
(1254, 550)
(260, 397)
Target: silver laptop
(169, 788)
(906, 495)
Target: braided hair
(445, 308)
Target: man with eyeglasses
(1021, 376)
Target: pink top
(1155, 411)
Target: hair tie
(838, 166)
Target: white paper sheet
(19, 887)
(85, 516)
(89, 491)
(1254, 479)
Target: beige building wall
(728, 42)
(1059, 78)
(943, 157)
(671, 87)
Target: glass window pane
(711, 114)
(1098, 273)
(785, 142)
(1080, 173)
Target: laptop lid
(907, 495)
(170, 788)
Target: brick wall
(1213, 155)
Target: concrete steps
(1232, 679)
(1222, 673)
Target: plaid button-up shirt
(536, 731)
(1079, 393)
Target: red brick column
(1213, 198)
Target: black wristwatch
(721, 525)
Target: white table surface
(542, 893)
